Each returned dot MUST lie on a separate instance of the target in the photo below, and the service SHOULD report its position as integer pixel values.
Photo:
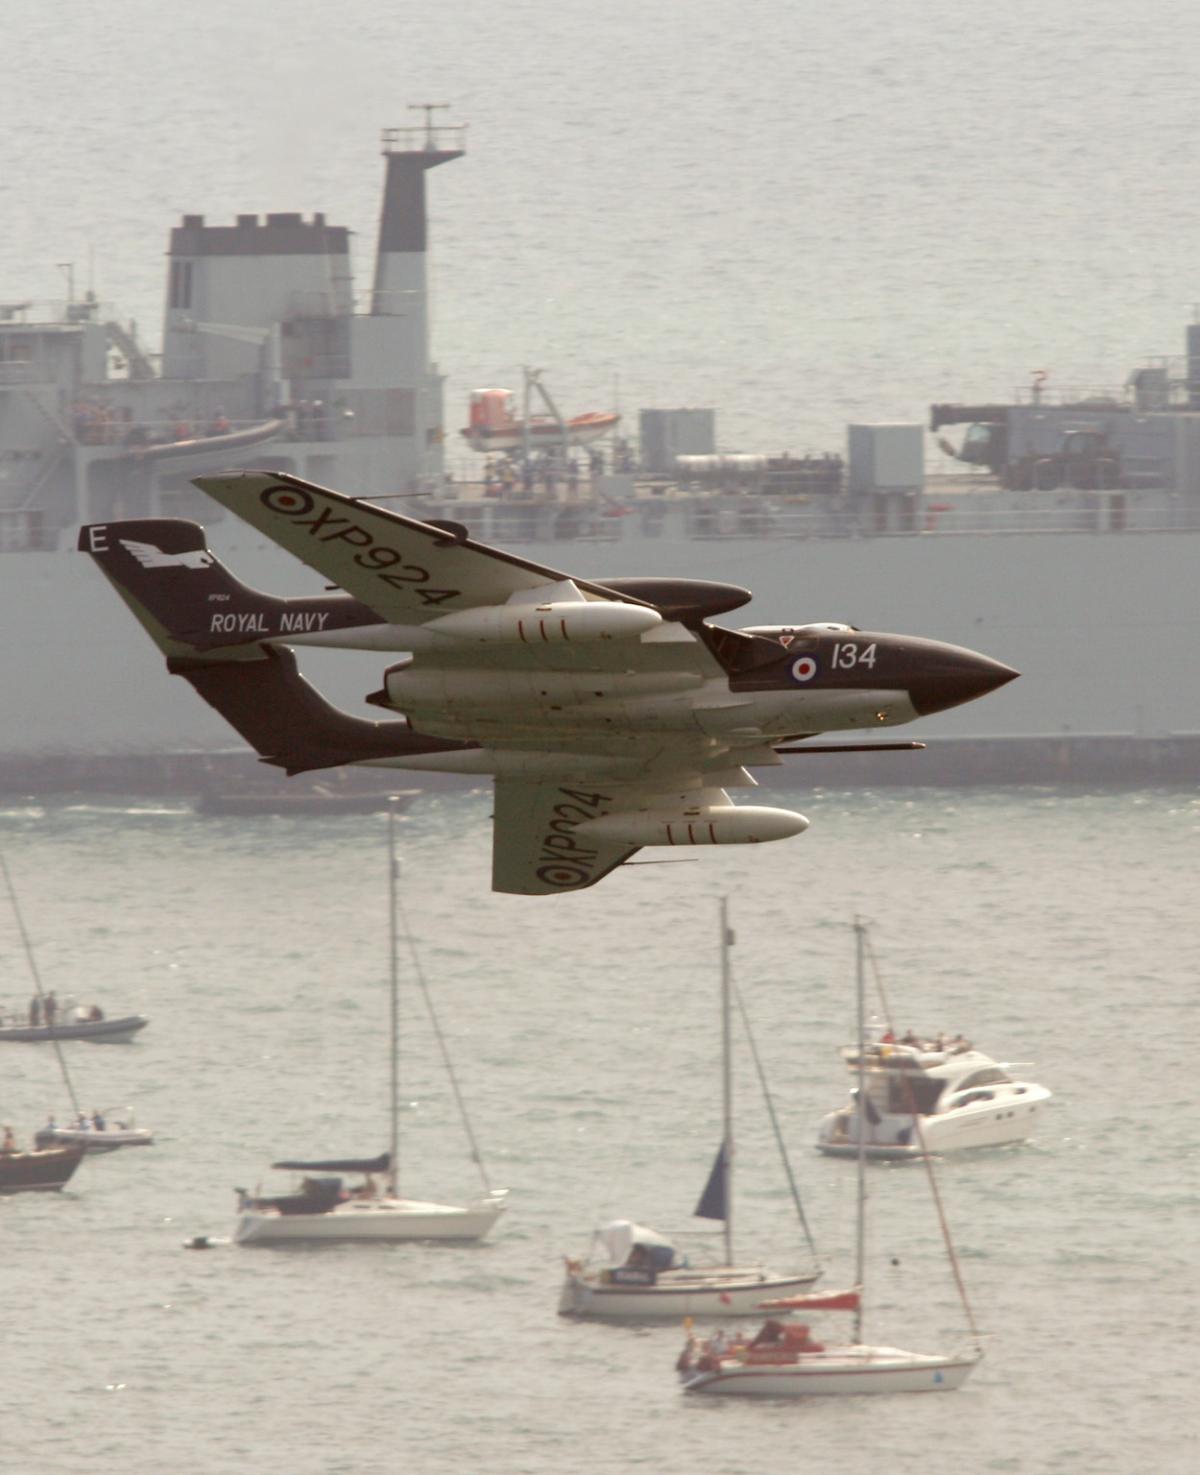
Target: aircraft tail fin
(287, 721)
(188, 601)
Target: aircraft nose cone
(953, 675)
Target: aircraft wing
(534, 848)
(548, 838)
(407, 570)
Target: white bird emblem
(151, 557)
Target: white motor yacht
(960, 1097)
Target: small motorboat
(57, 1151)
(99, 1031)
(95, 1134)
(41, 1171)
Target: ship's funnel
(400, 260)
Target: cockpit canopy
(816, 627)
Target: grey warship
(1066, 544)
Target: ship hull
(1100, 627)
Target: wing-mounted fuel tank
(710, 820)
(555, 622)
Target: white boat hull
(384, 1220)
(1009, 1118)
(93, 1140)
(676, 1294)
(837, 1370)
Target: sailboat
(645, 1275)
(57, 1151)
(783, 1360)
(323, 1209)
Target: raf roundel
(804, 668)
(288, 500)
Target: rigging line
(37, 981)
(775, 1127)
(927, 1160)
(476, 1156)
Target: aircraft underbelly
(839, 709)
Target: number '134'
(848, 653)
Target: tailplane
(288, 723)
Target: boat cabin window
(991, 1076)
(968, 1098)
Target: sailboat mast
(37, 981)
(727, 1078)
(394, 1033)
(860, 1240)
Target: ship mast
(400, 296)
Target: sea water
(1054, 928)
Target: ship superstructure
(265, 363)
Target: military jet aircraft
(612, 714)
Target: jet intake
(573, 621)
(703, 824)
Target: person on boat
(98, 1122)
(888, 1037)
(768, 1334)
(958, 1044)
(35, 1012)
(95, 1014)
(10, 1142)
(50, 1008)
(909, 1037)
